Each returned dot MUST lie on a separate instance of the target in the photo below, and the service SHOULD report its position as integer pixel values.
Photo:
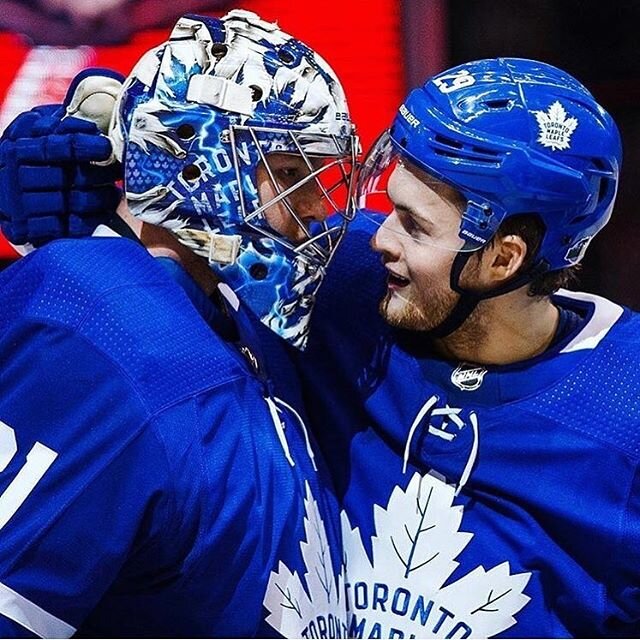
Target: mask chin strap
(469, 300)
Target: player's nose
(386, 239)
(311, 205)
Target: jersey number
(452, 81)
(39, 459)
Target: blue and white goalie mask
(237, 138)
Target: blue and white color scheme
(479, 501)
(198, 115)
(154, 481)
(513, 136)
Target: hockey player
(484, 425)
(156, 480)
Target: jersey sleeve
(83, 483)
(623, 597)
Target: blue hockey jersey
(479, 501)
(154, 481)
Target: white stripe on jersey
(31, 616)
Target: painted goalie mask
(237, 138)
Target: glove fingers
(91, 147)
(52, 203)
(49, 178)
(30, 150)
(70, 124)
(40, 178)
(49, 187)
(43, 150)
(14, 231)
(38, 226)
(41, 230)
(88, 175)
(98, 201)
(22, 125)
(58, 148)
(40, 204)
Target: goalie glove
(57, 171)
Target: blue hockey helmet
(513, 136)
(196, 118)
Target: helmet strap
(469, 300)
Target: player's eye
(409, 224)
(289, 175)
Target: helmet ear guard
(197, 117)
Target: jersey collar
(495, 385)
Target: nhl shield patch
(468, 377)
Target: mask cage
(329, 164)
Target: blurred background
(380, 49)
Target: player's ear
(502, 259)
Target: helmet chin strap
(469, 300)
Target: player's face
(412, 241)
(306, 201)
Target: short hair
(528, 226)
(531, 229)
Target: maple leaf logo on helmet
(555, 127)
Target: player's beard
(428, 309)
(417, 311)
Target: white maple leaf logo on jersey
(401, 591)
(319, 610)
(555, 127)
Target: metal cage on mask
(329, 163)
(277, 277)
(199, 116)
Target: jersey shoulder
(114, 298)
(356, 272)
(110, 376)
(598, 392)
(347, 303)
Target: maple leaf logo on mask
(555, 127)
(400, 593)
(319, 610)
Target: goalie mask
(237, 138)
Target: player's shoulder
(355, 280)
(63, 279)
(110, 296)
(355, 260)
(608, 325)
(598, 371)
